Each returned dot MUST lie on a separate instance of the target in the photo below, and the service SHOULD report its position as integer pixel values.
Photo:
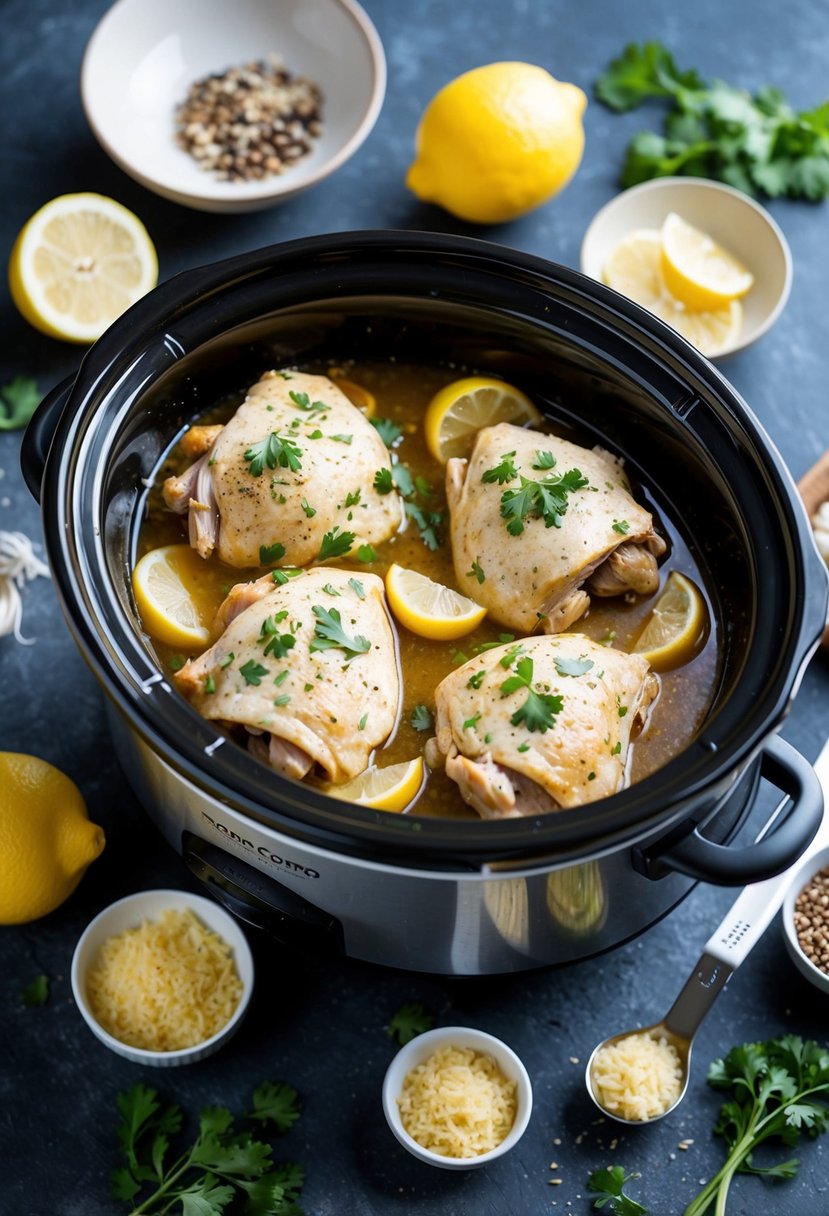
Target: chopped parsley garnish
(512, 654)
(614, 751)
(476, 572)
(342, 438)
(227, 660)
(609, 638)
(367, 554)
(388, 431)
(503, 472)
(176, 662)
(427, 523)
(409, 1022)
(36, 993)
(609, 1186)
(545, 500)
(329, 634)
(503, 638)
(18, 401)
(336, 544)
(421, 718)
(472, 722)
(621, 526)
(277, 644)
(383, 481)
(273, 451)
(302, 402)
(270, 553)
(285, 375)
(308, 509)
(280, 577)
(209, 683)
(403, 479)
(282, 677)
(317, 434)
(253, 672)
(622, 710)
(476, 680)
(352, 498)
(591, 776)
(544, 460)
(283, 700)
(361, 725)
(329, 590)
(540, 709)
(572, 667)
(357, 587)
(524, 747)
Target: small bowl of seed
(232, 107)
(806, 920)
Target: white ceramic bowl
(145, 54)
(129, 913)
(734, 220)
(418, 1050)
(817, 861)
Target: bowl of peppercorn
(232, 107)
(806, 919)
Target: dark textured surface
(321, 1026)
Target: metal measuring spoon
(730, 944)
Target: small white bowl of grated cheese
(163, 977)
(457, 1098)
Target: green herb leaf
(472, 722)
(427, 523)
(308, 509)
(544, 460)
(352, 498)
(329, 634)
(36, 993)
(545, 500)
(253, 672)
(476, 572)
(270, 553)
(277, 1103)
(388, 431)
(409, 1021)
(421, 718)
(621, 526)
(273, 451)
(476, 680)
(540, 709)
(503, 472)
(336, 544)
(361, 725)
(357, 587)
(403, 479)
(276, 643)
(347, 439)
(383, 481)
(176, 662)
(18, 401)
(366, 553)
(609, 1185)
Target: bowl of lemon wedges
(701, 256)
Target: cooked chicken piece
(308, 667)
(196, 440)
(536, 572)
(534, 726)
(296, 461)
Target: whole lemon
(498, 141)
(46, 838)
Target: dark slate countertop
(321, 1025)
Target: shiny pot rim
(82, 421)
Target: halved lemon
(697, 270)
(166, 587)
(79, 262)
(677, 628)
(430, 609)
(457, 412)
(386, 789)
(357, 395)
(634, 268)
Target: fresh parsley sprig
(540, 709)
(18, 401)
(609, 1185)
(336, 544)
(409, 1021)
(546, 499)
(222, 1164)
(329, 634)
(272, 451)
(758, 144)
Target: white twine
(18, 565)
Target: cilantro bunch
(759, 144)
(224, 1170)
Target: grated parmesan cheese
(637, 1078)
(458, 1103)
(168, 984)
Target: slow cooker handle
(785, 768)
(39, 435)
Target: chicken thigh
(296, 461)
(308, 666)
(534, 518)
(546, 723)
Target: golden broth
(402, 394)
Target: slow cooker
(440, 895)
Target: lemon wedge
(678, 626)
(457, 412)
(79, 262)
(384, 789)
(357, 395)
(430, 609)
(165, 584)
(697, 270)
(634, 268)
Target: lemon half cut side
(78, 264)
(391, 788)
(430, 609)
